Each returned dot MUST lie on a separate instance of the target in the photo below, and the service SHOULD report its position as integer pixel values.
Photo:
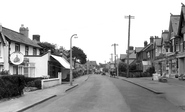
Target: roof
(133, 55)
(93, 63)
(138, 49)
(62, 61)
(174, 20)
(18, 37)
(123, 56)
(183, 11)
(147, 46)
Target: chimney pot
(36, 38)
(145, 43)
(24, 30)
(151, 39)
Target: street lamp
(71, 72)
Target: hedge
(11, 85)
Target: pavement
(173, 89)
(30, 99)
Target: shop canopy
(62, 61)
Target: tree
(122, 67)
(78, 55)
(47, 46)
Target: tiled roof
(174, 19)
(183, 11)
(138, 49)
(123, 56)
(147, 46)
(18, 37)
(133, 55)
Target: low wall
(46, 83)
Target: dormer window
(17, 47)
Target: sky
(97, 23)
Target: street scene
(92, 56)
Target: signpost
(16, 58)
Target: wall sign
(16, 58)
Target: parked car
(103, 73)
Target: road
(105, 94)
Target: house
(145, 57)
(132, 55)
(34, 64)
(180, 42)
(173, 48)
(12, 41)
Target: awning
(62, 61)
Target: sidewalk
(174, 89)
(30, 99)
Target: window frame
(17, 47)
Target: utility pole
(115, 54)
(111, 57)
(128, 17)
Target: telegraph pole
(115, 54)
(128, 17)
(111, 57)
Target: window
(26, 50)
(17, 47)
(177, 44)
(29, 70)
(34, 51)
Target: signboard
(16, 58)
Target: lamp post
(71, 72)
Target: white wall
(41, 65)
(22, 49)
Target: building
(12, 41)
(34, 64)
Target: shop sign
(16, 58)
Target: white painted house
(34, 64)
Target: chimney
(24, 30)
(36, 38)
(151, 39)
(145, 43)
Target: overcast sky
(98, 23)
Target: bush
(4, 72)
(11, 86)
(149, 72)
(35, 83)
(29, 79)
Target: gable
(174, 24)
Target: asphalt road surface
(105, 94)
